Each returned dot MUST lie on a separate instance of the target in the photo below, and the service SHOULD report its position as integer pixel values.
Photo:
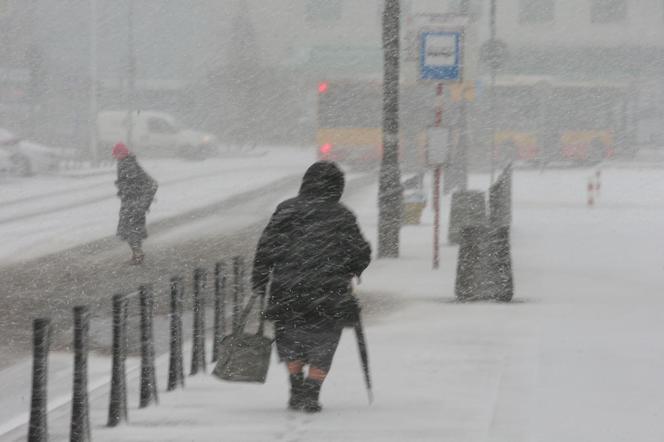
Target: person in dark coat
(136, 190)
(309, 253)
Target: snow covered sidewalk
(577, 356)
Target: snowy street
(162, 163)
(59, 245)
(577, 356)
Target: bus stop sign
(440, 55)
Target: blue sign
(440, 56)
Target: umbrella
(364, 356)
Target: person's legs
(296, 376)
(320, 357)
(290, 350)
(137, 255)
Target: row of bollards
(117, 412)
(38, 431)
(176, 363)
(80, 408)
(484, 265)
(198, 338)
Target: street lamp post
(389, 191)
(131, 72)
(94, 152)
(492, 67)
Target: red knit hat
(120, 151)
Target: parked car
(24, 158)
(154, 134)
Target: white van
(154, 133)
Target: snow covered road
(48, 214)
(58, 233)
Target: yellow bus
(349, 122)
(541, 120)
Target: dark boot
(296, 401)
(311, 394)
(137, 257)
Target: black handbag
(245, 357)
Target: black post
(198, 352)
(237, 288)
(148, 376)
(219, 308)
(468, 208)
(492, 103)
(499, 266)
(500, 200)
(176, 365)
(469, 264)
(38, 431)
(389, 189)
(80, 407)
(117, 411)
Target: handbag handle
(247, 310)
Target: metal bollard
(38, 430)
(117, 411)
(148, 376)
(198, 351)
(80, 406)
(176, 366)
(219, 308)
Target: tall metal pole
(436, 182)
(34, 65)
(389, 189)
(492, 29)
(131, 72)
(94, 152)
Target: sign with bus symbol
(441, 56)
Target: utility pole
(389, 189)
(35, 64)
(492, 30)
(131, 72)
(94, 152)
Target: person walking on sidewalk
(309, 253)
(136, 190)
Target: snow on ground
(577, 356)
(46, 214)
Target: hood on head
(323, 180)
(120, 151)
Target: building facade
(192, 58)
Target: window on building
(608, 11)
(536, 11)
(324, 10)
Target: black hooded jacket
(136, 190)
(313, 247)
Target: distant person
(136, 190)
(312, 248)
